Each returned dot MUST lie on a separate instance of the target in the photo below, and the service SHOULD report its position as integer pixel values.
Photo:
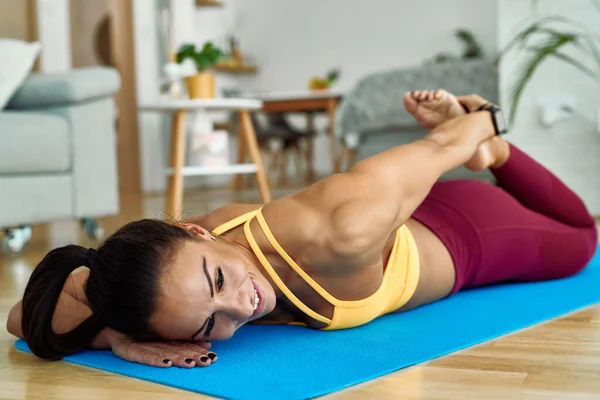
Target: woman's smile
(259, 303)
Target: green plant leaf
(472, 49)
(524, 35)
(570, 60)
(185, 51)
(204, 59)
(333, 75)
(539, 54)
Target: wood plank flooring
(559, 359)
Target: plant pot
(201, 85)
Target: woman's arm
(71, 310)
(399, 179)
(13, 324)
(376, 196)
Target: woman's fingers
(183, 352)
(176, 358)
(472, 102)
(163, 354)
(198, 348)
(202, 343)
(137, 353)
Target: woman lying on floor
(383, 237)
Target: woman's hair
(121, 290)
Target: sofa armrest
(65, 88)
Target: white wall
(151, 126)
(571, 147)
(294, 40)
(54, 35)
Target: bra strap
(307, 278)
(282, 286)
(237, 221)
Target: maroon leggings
(530, 227)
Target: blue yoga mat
(293, 362)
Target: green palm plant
(543, 40)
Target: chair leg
(298, 160)
(92, 228)
(283, 166)
(311, 175)
(348, 157)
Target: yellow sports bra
(399, 282)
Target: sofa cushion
(33, 143)
(35, 199)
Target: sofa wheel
(92, 228)
(16, 239)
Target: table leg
(174, 195)
(241, 155)
(252, 146)
(331, 109)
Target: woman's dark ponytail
(121, 290)
(39, 303)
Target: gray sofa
(58, 149)
(372, 110)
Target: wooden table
(177, 170)
(310, 102)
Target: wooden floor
(556, 360)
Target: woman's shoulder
(224, 214)
(324, 235)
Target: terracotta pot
(201, 85)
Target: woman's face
(210, 290)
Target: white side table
(247, 142)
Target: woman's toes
(410, 104)
(416, 94)
(439, 94)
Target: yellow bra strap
(318, 288)
(265, 263)
(219, 230)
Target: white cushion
(16, 61)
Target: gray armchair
(58, 152)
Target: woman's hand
(163, 354)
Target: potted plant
(549, 37)
(471, 48)
(202, 84)
(317, 83)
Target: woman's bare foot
(492, 153)
(432, 107)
